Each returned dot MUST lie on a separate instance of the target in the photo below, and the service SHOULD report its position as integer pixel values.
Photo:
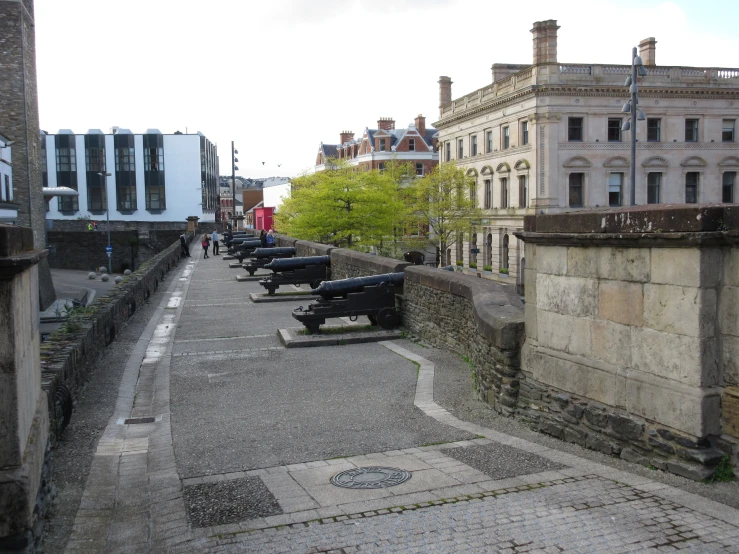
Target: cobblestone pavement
(243, 445)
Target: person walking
(216, 250)
(263, 239)
(205, 242)
(183, 244)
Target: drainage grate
(135, 420)
(370, 478)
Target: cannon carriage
(372, 296)
(262, 256)
(311, 270)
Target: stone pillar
(445, 94)
(545, 41)
(20, 121)
(192, 224)
(24, 419)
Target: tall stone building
(20, 121)
(546, 137)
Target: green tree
(444, 201)
(342, 205)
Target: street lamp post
(234, 159)
(109, 250)
(637, 70)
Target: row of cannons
(372, 296)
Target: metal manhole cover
(370, 478)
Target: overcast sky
(280, 76)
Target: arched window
(504, 253)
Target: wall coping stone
(14, 240)
(632, 240)
(652, 218)
(369, 262)
(499, 311)
(317, 246)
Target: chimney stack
(445, 93)
(545, 41)
(346, 136)
(648, 50)
(386, 123)
(421, 124)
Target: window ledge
(68, 212)
(126, 212)
(157, 211)
(97, 212)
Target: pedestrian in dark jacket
(263, 239)
(183, 244)
(205, 243)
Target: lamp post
(637, 70)
(234, 159)
(109, 250)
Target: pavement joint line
(237, 351)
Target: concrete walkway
(221, 440)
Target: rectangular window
(576, 186)
(691, 130)
(524, 133)
(727, 191)
(490, 142)
(654, 183)
(574, 129)
(9, 191)
(614, 129)
(691, 187)
(411, 145)
(488, 194)
(124, 159)
(154, 159)
(615, 189)
(654, 131)
(381, 166)
(154, 182)
(473, 194)
(448, 155)
(727, 132)
(473, 145)
(522, 191)
(96, 197)
(460, 149)
(419, 169)
(382, 144)
(504, 192)
(506, 138)
(95, 159)
(66, 159)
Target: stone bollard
(92, 275)
(118, 280)
(105, 277)
(127, 272)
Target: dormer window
(411, 145)
(382, 145)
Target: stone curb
(291, 338)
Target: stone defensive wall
(627, 341)
(69, 355)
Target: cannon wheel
(372, 319)
(251, 271)
(388, 318)
(315, 284)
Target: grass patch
(723, 473)
(418, 373)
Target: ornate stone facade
(546, 138)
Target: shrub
(460, 263)
(504, 270)
(473, 265)
(487, 267)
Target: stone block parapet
(349, 263)
(632, 312)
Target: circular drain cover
(370, 478)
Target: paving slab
(292, 296)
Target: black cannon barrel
(286, 264)
(356, 284)
(249, 244)
(281, 252)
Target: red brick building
(415, 144)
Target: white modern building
(8, 208)
(151, 176)
(275, 190)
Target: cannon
(415, 257)
(296, 271)
(245, 249)
(234, 242)
(371, 296)
(262, 256)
